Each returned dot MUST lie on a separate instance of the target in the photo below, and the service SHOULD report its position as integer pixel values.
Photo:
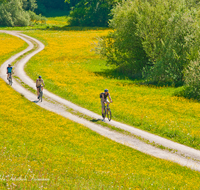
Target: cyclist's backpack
(101, 95)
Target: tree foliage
(46, 6)
(12, 13)
(18, 12)
(192, 77)
(91, 12)
(158, 38)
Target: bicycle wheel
(41, 94)
(109, 115)
(10, 81)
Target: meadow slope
(74, 72)
(40, 149)
(43, 150)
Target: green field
(74, 72)
(42, 150)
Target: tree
(12, 13)
(29, 5)
(46, 6)
(72, 3)
(17, 12)
(91, 13)
(158, 38)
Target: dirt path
(59, 108)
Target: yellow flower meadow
(76, 73)
(62, 21)
(9, 44)
(40, 149)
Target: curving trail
(60, 104)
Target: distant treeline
(81, 12)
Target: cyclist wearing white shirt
(39, 83)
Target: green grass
(9, 53)
(58, 18)
(7, 56)
(50, 24)
(80, 80)
(41, 149)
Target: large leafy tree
(156, 37)
(12, 13)
(92, 12)
(29, 5)
(16, 12)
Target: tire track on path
(118, 137)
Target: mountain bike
(40, 93)
(10, 79)
(107, 112)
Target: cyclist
(104, 100)
(9, 71)
(39, 83)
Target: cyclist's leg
(38, 91)
(102, 110)
(102, 107)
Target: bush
(123, 47)
(13, 13)
(91, 13)
(37, 18)
(176, 48)
(158, 38)
(192, 78)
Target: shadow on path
(95, 120)
(36, 101)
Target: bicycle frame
(10, 79)
(40, 93)
(107, 111)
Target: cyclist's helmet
(106, 90)
(9, 64)
(39, 77)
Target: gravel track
(184, 155)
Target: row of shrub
(83, 12)
(18, 13)
(158, 40)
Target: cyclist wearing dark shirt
(104, 100)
